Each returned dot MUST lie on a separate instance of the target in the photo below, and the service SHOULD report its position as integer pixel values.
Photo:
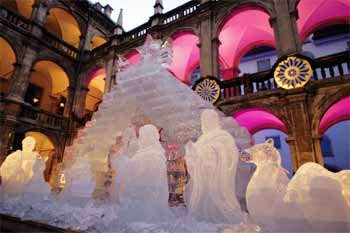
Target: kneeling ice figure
(211, 161)
(143, 180)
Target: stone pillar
(21, 76)
(39, 12)
(285, 29)
(317, 148)
(39, 15)
(69, 102)
(80, 101)
(208, 47)
(110, 66)
(88, 37)
(6, 139)
(304, 148)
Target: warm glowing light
(35, 100)
(61, 105)
(62, 180)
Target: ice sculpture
(144, 193)
(315, 200)
(163, 100)
(268, 183)
(323, 196)
(212, 162)
(18, 168)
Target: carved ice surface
(144, 196)
(212, 162)
(314, 200)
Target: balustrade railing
(15, 19)
(136, 33)
(51, 40)
(332, 66)
(181, 11)
(60, 45)
(43, 118)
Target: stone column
(80, 101)
(208, 47)
(303, 146)
(69, 102)
(285, 29)
(6, 139)
(110, 66)
(39, 12)
(21, 76)
(317, 148)
(39, 15)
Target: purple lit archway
(243, 30)
(256, 119)
(340, 111)
(133, 56)
(186, 55)
(314, 14)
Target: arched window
(242, 31)
(63, 25)
(7, 60)
(48, 88)
(186, 55)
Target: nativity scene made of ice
(117, 176)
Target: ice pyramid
(147, 93)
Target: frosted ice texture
(147, 92)
(314, 200)
(212, 162)
(144, 196)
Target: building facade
(59, 57)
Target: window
(326, 146)
(276, 141)
(61, 105)
(264, 64)
(33, 95)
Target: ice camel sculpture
(314, 200)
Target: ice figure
(18, 168)
(212, 162)
(324, 197)
(164, 101)
(144, 192)
(146, 88)
(267, 185)
(315, 200)
(23, 185)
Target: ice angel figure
(212, 160)
(144, 191)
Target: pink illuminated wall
(338, 112)
(243, 30)
(316, 13)
(255, 119)
(186, 55)
(133, 56)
